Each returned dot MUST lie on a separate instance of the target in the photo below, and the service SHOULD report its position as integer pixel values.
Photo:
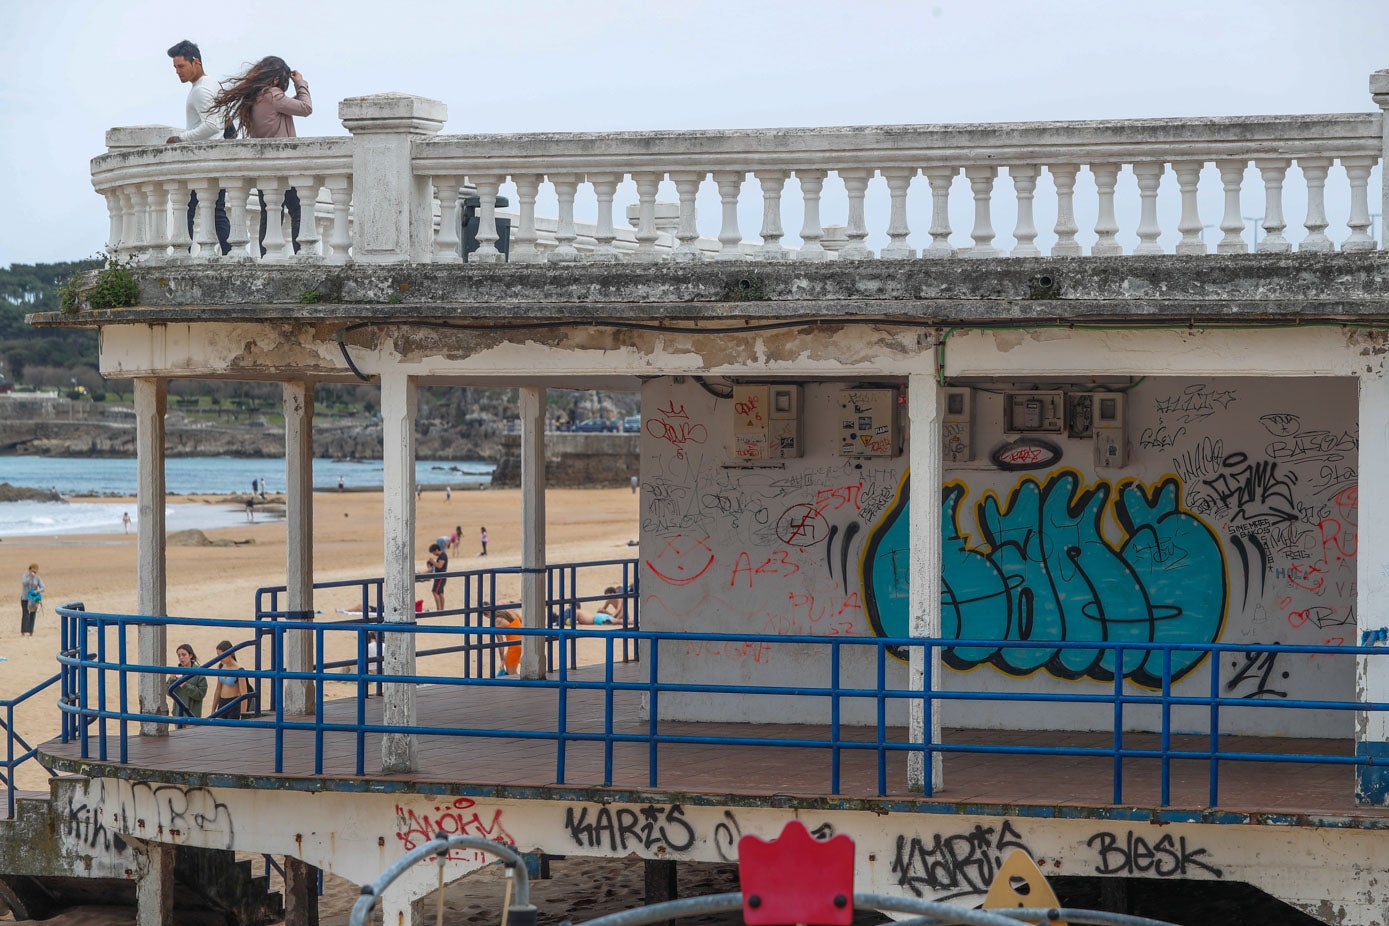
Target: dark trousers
(220, 220)
(292, 204)
(26, 617)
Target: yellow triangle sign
(1020, 883)
(867, 439)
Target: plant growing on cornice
(113, 288)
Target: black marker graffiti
(1258, 667)
(1166, 858)
(954, 866)
(624, 829)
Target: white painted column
(154, 886)
(924, 486)
(399, 401)
(533, 604)
(1379, 92)
(151, 396)
(1372, 583)
(298, 655)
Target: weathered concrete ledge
(1210, 288)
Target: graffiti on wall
(1044, 569)
(460, 817)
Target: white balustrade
(1149, 176)
(981, 183)
(1024, 179)
(604, 188)
(687, 232)
(772, 182)
(1188, 178)
(1273, 171)
(1106, 224)
(899, 180)
(812, 184)
(1358, 173)
(940, 179)
(1314, 171)
(855, 229)
(1232, 222)
(1063, 177)
(447, 244)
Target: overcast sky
(72, 69)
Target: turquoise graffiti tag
(1044, 570)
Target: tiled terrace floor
(750, 768)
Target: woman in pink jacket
(257, 103)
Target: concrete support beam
(924, 529)
(399, 402)
(301, 893)
(154, 887)
(533, 605)
(151, 575)
(298, 654)
(1372, 586)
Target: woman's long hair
(239, 93)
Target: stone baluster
(687, 232)
(237, 235)
(981, 183)
(306, 186)
(812, 183)
(1273, 170)
(113, 214)
(1358, 173)
(156, 237)
(205, 224)
(447, 246)
(730, 239)
(1106, 225)
(340, 238)
(564, 252)
(524, 236)
(1024, 177)
(1188, 180)
(139, 211)
(855, 228)
(899, 180)
(605, 188)
(487, 187)
(1232, 222)
(772, 183)
(1149, 177)
(1314, 171)
(127, 247)
(647, 185)
(178, 217)
(940, 179)
(1063, 177)
(272, 190)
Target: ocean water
(95, 477)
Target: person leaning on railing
(202, 123)
(189, 694)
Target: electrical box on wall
(868, 423)
(1111, 441)
(1034, 412)
(957, 425)
(766, 422)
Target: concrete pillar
(301, 893)
(393, 206)
(151, 577)
(1379, 92)
(154, 886)
(923, 490)
(533, 604)
(1372, 586)
(298, 654)
(399, 401)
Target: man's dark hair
(186, 50)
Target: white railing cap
(392, 112)
(138, 136)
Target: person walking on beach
(125, 522)
(190, 694)
(230, 687)
(31, 589)
(484, 542)
(438, 562)
(340, 484)
(448, 493)
(251, 510)
(202, 123)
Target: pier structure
(950, 545)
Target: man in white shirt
(202, 124)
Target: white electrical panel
(1034, 412)
(868, 423)
(766, 422)
(957, 425)
(1111, 442)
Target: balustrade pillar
(156, 223)
(604, 189)
(237, 236)
(127, 247)
(523, 237)
(306, 188)
(487, 186)
(399, 406)
(447, 247)
(899, 180)
(1232, 222)
(1063, 177)
(647, 185)
(1106, 225)
(114, 215)
(1188, 180)
(772, 183)
(1273, 170)
(940, 179)
(205, 222)
(1149, 177)
(1379, 92)
(687, 231)
(272, 193)
(1314, 171)
(340, 238)
(812, 183)
(179, 241)
(1358, 173)
(981, 183)
(855, 228)
(1024, 177)
(565, 188)
(730, 239)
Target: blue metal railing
(881, 696)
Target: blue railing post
(1213, 787)
(562, 723)
(608, 712)
(653, 719)
(1166, 726)
(1118, 725)
(320, 679)
(124, 699)
(101, 690)
(928, 784)
(277, 665)
(881, 650)
(834, 716)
